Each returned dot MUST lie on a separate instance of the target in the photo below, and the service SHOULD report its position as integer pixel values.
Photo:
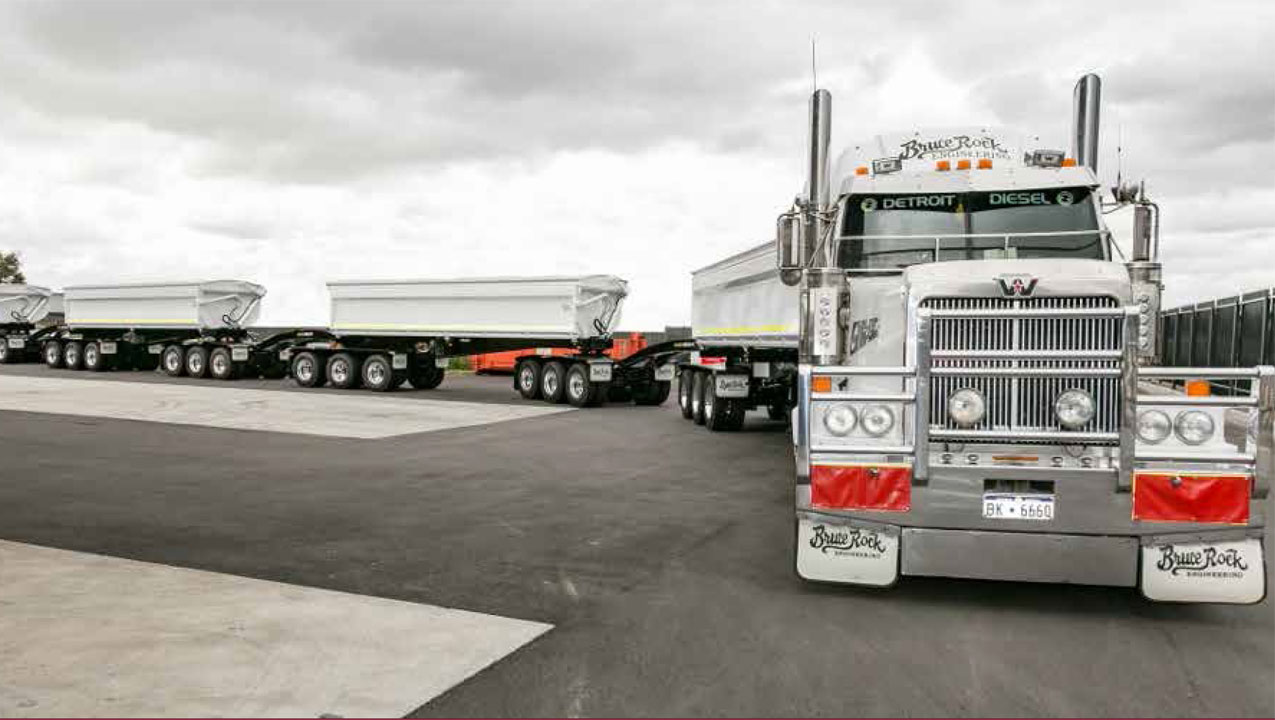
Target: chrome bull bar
(1260, 457)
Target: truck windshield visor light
(966, 407)
(1074, 408)
(881, 166)
(840, 420)
(877, 420)
(1154, 426)
(1193, 427)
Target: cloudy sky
(292, 142)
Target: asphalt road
(660, 553)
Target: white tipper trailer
(22, 308)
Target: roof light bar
(881, 166)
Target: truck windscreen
(892, 231)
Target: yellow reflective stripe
(479, 328)
(747, 330)
(131, 321)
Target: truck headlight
(1074, 409)
(877, 420)
(840, 420)
(1193, 427)
(966, 407)
(1154, 426)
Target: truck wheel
(221, 365)
(685, 392)
(94, 361)
(53, 354)
(343, 371)
(699, 398)
(73, 355)
(173, 361)
(196, 361)
(527, 379)
(581, 391)
(552, 380)
(429, 379)
(654, 394)
(307, 370)
(378, 374)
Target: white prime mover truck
(977, 389)
(22, 310)
(382, 333)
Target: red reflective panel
(1178, 497)
(861, 487)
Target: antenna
(814, 66)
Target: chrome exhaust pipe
(817, 191)
(1085, 101)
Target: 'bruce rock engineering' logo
(1203, 561)
(868, 543)
(966, 145)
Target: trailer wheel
(307, 370)
(73, 355)
(699, 398)
(343, 371)
(6, 356)
(94, 360)
(527, 379)
(196, 361)
(685, 393)
(721, 414)
(378, 373)
(581, 391)
(552, 380)
(426, 377)
(53, 354)
(654, 394)
(173, 361)
(221, 365)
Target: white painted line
(91, 636)
(356, 415)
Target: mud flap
(1232, 571)
(830, 551)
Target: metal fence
(1235, 331)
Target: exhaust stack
(817, 191)
(1085, 101)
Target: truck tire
(427, 378)
(581, 391)
(343, 371)
(552, 382)
(173, 361)
(73, 355)
(221, 364)
(94, 360)
(699, 380)
(196, 361)
(53, 354)
(653, 394)
(307, 370)
(527, 379)
(378, 373)
(685, 392)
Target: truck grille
(1025, 404)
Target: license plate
(154, 349)
(664, 372)
(1006, 506)
(600, 372)
(238, 354)
(17, 343)
(731, 386)
(109, 348)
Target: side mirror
(787, 247)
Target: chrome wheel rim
(576, 385)
(172, 361)
(219, 364)
(305, 369)
(340, 371)
(376, 373)
(195, 364)
(72, 355)
(551, 383)
(90, 355)
(527, 379)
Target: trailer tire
(527, 379)
(654, 394)
(427, 378)
(378, 373)
(73, 355)
(173, 361)
(308, 370)
(699, 397)
(685, 389)
(197, 361)
(6, 356)
(343, 371)
(221, 364)
(53, 354)
(552, 382)
(580, 390)
(721, 414)
(94, 360)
